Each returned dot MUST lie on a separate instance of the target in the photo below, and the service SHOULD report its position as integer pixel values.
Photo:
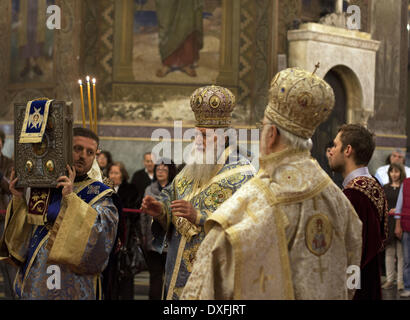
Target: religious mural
(32, 43)
(176, 41)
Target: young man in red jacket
(402, 231)
(352, 150)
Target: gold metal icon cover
(39, 164)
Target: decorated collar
(268, 163)
(359, 172)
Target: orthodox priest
(61, 239)
(289, 233)
(352, 150)
(200, 188)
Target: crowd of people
(218, 230)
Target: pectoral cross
(93, 190)
(320, 270)
(262, 279)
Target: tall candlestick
(82, 101)
(95, 106)
(89, 102)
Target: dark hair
(388, 159)
(328, 145)
(149, 152)
(399, 167)
(108, 156)
(172, 169)
(124, 172)
(84, 132)
(360, 139)
(2, 136)
(180, 167)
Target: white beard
(197, 169)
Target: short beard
(198, 170)
(336, 168)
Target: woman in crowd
(104, 160)
(164, 172)
(393, 244)
(129, 260)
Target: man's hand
(398, 231)
(185, 209)
(151, 206)
(17, 192)
(67, 182)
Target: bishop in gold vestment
(289, 233)
(198, 190)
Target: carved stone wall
(365, 13)
(288, 12)
(389, 27)
(262, 58)
(351, 54)
(4, 58)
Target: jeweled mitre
(212, 106)
(299, 101)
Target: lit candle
(82, 101)
(90, 113)
(95, 106)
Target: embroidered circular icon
(198, 101)
(318, 234)
(214, 101)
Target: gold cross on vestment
(93, 190)
(320, 270)
(262, 279)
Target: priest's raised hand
(151, 206)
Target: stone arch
(355, 107)
(350, 54)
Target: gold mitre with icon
(212, 106)
(299, 101)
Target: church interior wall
(245, 39)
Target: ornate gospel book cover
(43, 141)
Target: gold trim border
(39, 246)
(177, 266)
(400, 136)
(146, 124)
(34, 138)
(280, 230)
(390, 148)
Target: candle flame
(88, 79)
(80, 82)
(94, 81)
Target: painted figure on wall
(180, 35)
(32, 42)
(177, 41)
